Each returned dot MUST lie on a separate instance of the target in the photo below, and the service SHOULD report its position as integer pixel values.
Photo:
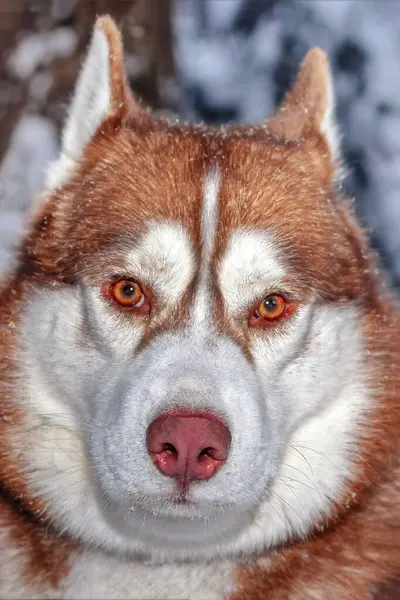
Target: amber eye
(272, 308)
(127, 293)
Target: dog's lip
(180, 497)
(177, 499)
(182, 501)
(185, 501)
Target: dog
(200, 383)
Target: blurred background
(216, 61)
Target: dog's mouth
(177, 521)
(181, 498)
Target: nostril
(206, 452)
(188, 445)
(211, 452)
(167, 447)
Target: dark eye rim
(256, 320)
(143, 309)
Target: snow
(234, 63)
(33, 146)
(232, 67)
(39, 49)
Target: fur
(210, 221)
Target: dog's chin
(174, 521)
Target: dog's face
(194, 368)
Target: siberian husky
(200, 384)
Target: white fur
(164, 259)
(90, 105)
(251, 269)
(201, 309)
(88, 393)
(92, 98)
(90, 389)
(328, 125)
(321, 419)
(209, 214)
(96, 575)
(58, 173)
(292, 417)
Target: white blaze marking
(209, 215)
(251, 266)
(202, 302)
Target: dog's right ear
(101, 92)
(308, 108)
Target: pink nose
(188, 445)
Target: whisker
(287, 504)
(268, 445)
(302, 455)
(303, 474)
(82, 423)
(104, 508)
(58, 493)
(294, 493)
(66, 488)
(50, 441)
(65, 473)
(142, 527)
(276, 512)
(316, 452)
(52, 451)
(298, 481)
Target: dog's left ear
(308, 108)
(102, 92)
(102, 89)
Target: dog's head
(191, 356)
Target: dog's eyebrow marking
(250, 266)
(209, 217)
(164, 259)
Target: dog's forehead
(162, 175)
(202, 187)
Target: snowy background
(219, 61)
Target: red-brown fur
(22, 517)
(278, 177)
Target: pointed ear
(309, 105)
(102, 90)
